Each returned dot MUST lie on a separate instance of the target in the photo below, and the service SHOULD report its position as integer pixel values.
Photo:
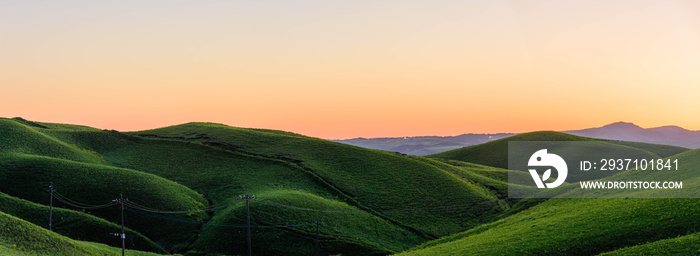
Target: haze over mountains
(668, 135)
(426, 145)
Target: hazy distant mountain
(669, 135)
(425, 145)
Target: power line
(413, 210)
(309, 209)
(143, 210)
(58, 194)
(183, 220)
(77, 204)
(365, 238)
(268, 226)
(432, 210)
(83, 207)
(444, 209)
(148, 209)
(215, 223)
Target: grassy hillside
(368, 179)
(28, 176)
(683, 245)
(660, 150)
(370, 202)
(583, 226)
(19, 237)
(187, 180)
(293, 207)
(223, 175)
(74, 224)
(23, 139)
(495, 153)
(53, 126)
(390, 185)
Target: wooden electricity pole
(247, 208)
(123, 235)
(51, 190)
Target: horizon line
(349, 138)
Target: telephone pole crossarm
(123, 234)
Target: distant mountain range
(668, 135)
(426, 145)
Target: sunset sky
(343, 69)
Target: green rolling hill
(19, 237)
(682, 245)
(26, 176)
(588, 226)
(183, 184)
(75, 224)
(495, 153)
(368, 202)
(369, 179)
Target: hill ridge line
(295, 163)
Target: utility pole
(51, 190)
(123, 235)
(247, 208)
(317, 223)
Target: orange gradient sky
(342, 69)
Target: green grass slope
(19, 237)
(223, 175)
(282, 207)
(683, 245)
(495, 179)
(585, 226)
(369, 202)
(404, 200)
(20, 138)
(495, 153)
(28, 176)
(400, 188)
(660, 150)
(53, 126)
(76, 225)
(222, 171)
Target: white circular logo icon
(542, 158)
